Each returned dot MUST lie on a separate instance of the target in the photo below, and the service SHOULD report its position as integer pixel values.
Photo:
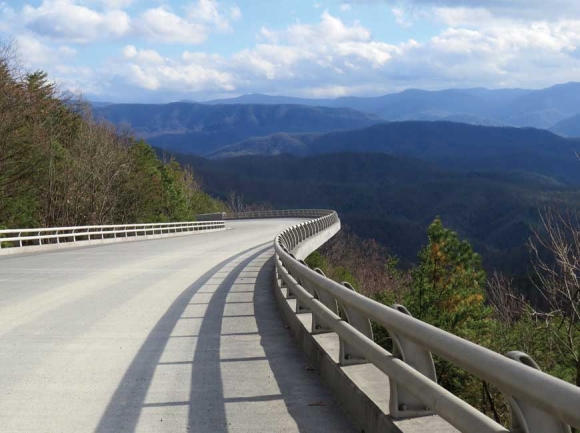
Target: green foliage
(59, 166)
(316, 260)
(448, 283)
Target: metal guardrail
(291, 213)
(14, 238)
(539, 403)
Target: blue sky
(165, 50)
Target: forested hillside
(451, 145)
(392, 199)
(60, 167)
(200, 129)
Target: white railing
(289, 213)
(539, 403)
(15, 238)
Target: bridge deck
(169, 335)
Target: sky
(172, 50)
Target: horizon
(235, 96)
(153, 51)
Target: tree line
(59, 166)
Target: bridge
(219, 326)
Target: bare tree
(558, 281)
(508, 304)
(236, 202)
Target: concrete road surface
(170, 335)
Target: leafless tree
(236, 202)
(555, 248)
(508, 304)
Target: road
(169, 335)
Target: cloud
(192, 72)
(64, 20)
(78, 21)
(515, 9)
(160, 24)
(328, 58)
(345, 7)
(401, 18)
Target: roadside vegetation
(59, 166)
(449, 288)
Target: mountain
(569, 127)
(394, 198)
(200, 128)
(516, 107)
(543, 108)
(453, 146)
(256, 98)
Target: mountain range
(200, 129)
(453, 146)
(516, 107)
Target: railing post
(348, 354)
(299, 307)
(329, 302)
(402, 403)
(526, 418)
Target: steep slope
(393, 199)
(452, 145)
(199, 129)
(569, 127)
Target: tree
(555, 250)
(447, 291)
(448, 284)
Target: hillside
(200, 129)
(568, 127)
(451, 145)
(393, 199)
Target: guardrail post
(329, 302)
(526, 418)
(402, 403)
(289, 293)
(348, 354)
(299, 307)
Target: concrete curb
(357, 404)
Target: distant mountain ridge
(451, 145)
(515, 107)
(200, 128)
(569, 127)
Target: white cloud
(38, 53)
(201, 18)
(160, 24)
(401, 17)
(192, 72)
(67, 21)
(210, 12)
(515, 9)
(345, 7)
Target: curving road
(170, 335)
